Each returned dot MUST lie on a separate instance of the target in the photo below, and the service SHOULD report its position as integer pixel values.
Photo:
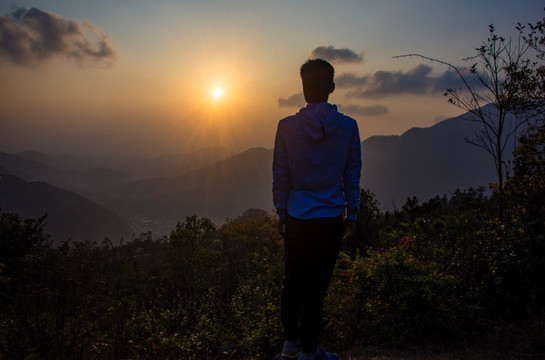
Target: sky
(116, 78)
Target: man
(316, 177)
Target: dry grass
(525, 341)
(458, 351)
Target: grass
(453, 351)
(454, 354)
(524, 341)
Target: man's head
(317, 76)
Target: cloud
(370, 110)
(348, 80)
(343, 55)
(295, 100)
(417, 81)
(30, 36)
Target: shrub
(388, 297)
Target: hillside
(422, 162)
(70, 216)
(154, 193)
(85, 176)
(425, 162)
(218, 191)
(78, 175)
(171, 165)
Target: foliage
(368, 224)
(253, 269)
(54, 294)
(394, 297)
(525, 192)
(527, 185)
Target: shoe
(291, 350)
(324, 355)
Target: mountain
(153, 194)
(221, 190)
(170, 165)
(70, 216)
(422, 162)
(60, 162)
(86, 177)
(78, 175)
(425, 162)
(28, 169)
(89, 180)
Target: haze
(136, 78)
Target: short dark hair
(317, 73)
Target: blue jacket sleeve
(351, 176)
(282, 183)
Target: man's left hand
(281, 227)
(349, 228)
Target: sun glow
(217, 93)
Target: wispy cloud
(295, 100)
(30, 36)
(371, 110)
(417, 81)
(343, 55)
(349, 80)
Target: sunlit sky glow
(140, 77)
(217, 93)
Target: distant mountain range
(153, 194)
(69, 216)
(425, 162)
(221, 190)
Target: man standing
(316, 184)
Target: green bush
(388, 296)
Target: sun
(217, 93)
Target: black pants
(311, 250)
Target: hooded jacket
(317, 164)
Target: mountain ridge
(69, 215)
(421, 162)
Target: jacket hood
(319, 121)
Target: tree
(527, 185)
(368, 225)
(523, 271)
(191, 254)
(500, 89)
(533, 85)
